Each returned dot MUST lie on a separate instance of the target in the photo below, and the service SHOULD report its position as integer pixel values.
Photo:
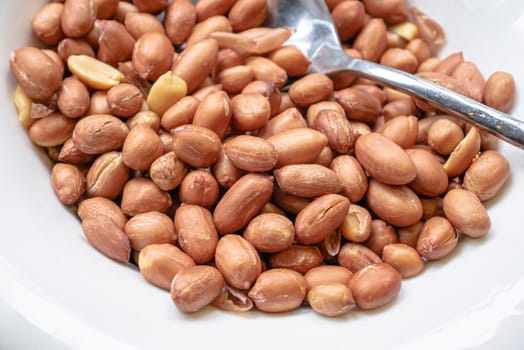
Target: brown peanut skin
(196, 232)
(199, 187)
(152, 55)
(195, 287)
(180, 18)
(311, 89)
(107, 237)
(107, 176)
(348, 17)
(297, 145)
(431, 179)
(375, 285)
(141, 148)
(168, 171)
(352, 176)
(299, 258)
(73, 98)
(68, 182)
(214, 112)
(246, 14)
(52, 130)
(195, 64)
(371, 40)
(99, 133)
(487, 175)
(99, 206)
(141, 195)
(404, 258)
(466, 212)
(384, 160)
(326, 274)
(359, 104)
(115, 44)
(437, 238)
(397, 205)
(196, 145)
(270, 232)
(392, 11)
(356, 256)
(338, 130)
(36, 72)
(278, 290)
(46, 23)
(331, 299)
(320, 217)
(251, 153)
(499, 91)
(382, 234)
(246, 197)
(78, 17)
(238, 261)
(150, 228)
(307, 180)
(159, 263)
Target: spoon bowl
(316, 36)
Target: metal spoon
(315, 35)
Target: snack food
(143, 195)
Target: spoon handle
(490, 119)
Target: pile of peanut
(196, 144)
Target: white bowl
(57, 292)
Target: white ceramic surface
(56, 292)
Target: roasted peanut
(311, 89)
(487, 175)
(327, 274)
(52, 130)
(159, 263)
(348, 17)
(300, 258)
(97, 207)
(251, 111)
(297, 145)
(107, 237)
(199, 187)
(196, 145)
(46, 23)
(168, 171)
(375, 285)
(68, 183)
(251, 153)
(245, 197)
(78, 17)
(371, 40)
(141, 147)
(338, 130)
(150, 228)
(195, 64)
(404, 258)
(307, 180)
(115, 44)
(99, 133)
(270, 232)
(107, 176)
(291, 59)
(381, 235)
(356, 256)
(499, 91)
(139, 23)
(179, 21)
(431, 179)
(437, 238)
(320, 217)
(397, 205)
(465, 211)
(196, 232)
(141, 195)
(359, 104)
(278, 290)
(384, 160)
(195, 287)
(152, 55)
(238, 261)
(36, 72)
(331, 299)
